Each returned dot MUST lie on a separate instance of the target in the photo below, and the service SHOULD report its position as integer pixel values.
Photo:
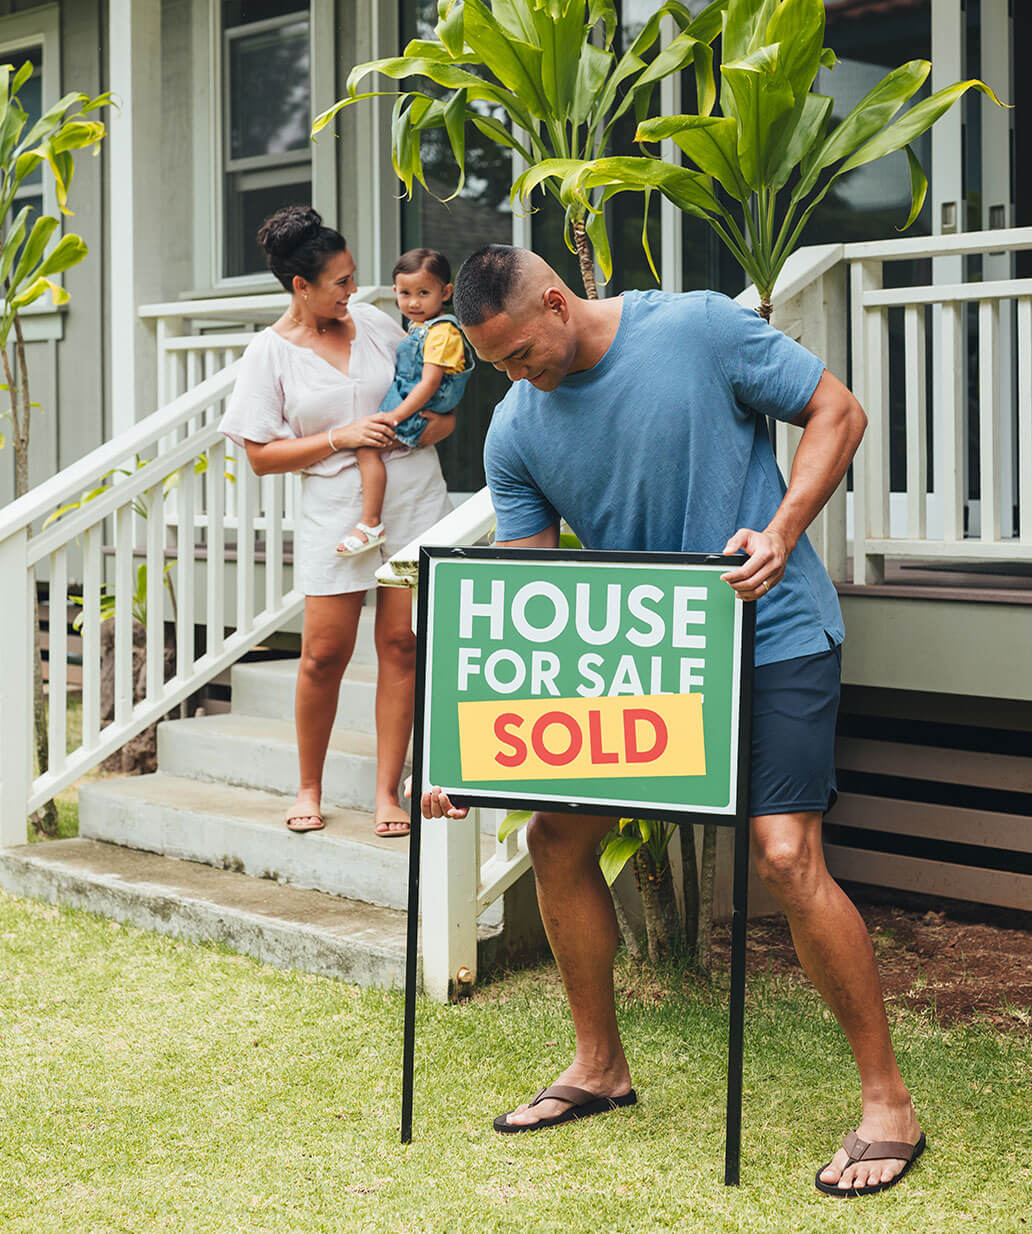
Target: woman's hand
(439, 427)
(376, 431)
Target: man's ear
(555, 302)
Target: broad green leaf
(32, 253)
(617, 852)
(39, 288)
(547, 169)
(22, 76)
(13, 242)
(803, 128)
(515, 63)
(53, 116)
(561, 34)
(604, 11)
(762, 95)
(497, 132)
(868, 117)
(745, 24)
(68, 252)
(708, 24)
(513, 821)
(705, 86)
(711, 142)
(918, 188)
(449, 28)
(677, 55)
(689, 190)
(455, 126)
(916, 121)
(828, 59)
(798, 27)
(592, 70)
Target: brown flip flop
(878, 1150)
(582, 1105)
(296, 812)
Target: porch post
(134, 204)
(16, 619)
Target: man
(640, 420)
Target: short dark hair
(295, 242)
(423, 259)
(485, 283)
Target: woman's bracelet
(329, 438)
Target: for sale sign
(582, 681)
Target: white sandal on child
(351, 546)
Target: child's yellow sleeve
(443, 346)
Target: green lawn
(152, 1085)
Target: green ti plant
(27, 272)
(756, 172)
(539, 77)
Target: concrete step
(242, 829)
(258, 752)
(280, 925)
(267, 689)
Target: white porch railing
(103, 542)
(947, 329)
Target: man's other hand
(435, 804)
(764, 567)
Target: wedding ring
(765, 585)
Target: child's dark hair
(423, 259)
(296, 243)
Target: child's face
(421, 295)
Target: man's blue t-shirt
(662, 446)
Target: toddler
(433, 364)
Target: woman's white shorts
(416, 498)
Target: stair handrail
(130, 503)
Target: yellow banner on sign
(582, 738)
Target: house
(931, 545)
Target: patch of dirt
(965, 963)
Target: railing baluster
(124, 580)
(1025, 419)
(216, 566)
(16, 625)
(274, 545)
(185, 585)
(155, 499)
(988, 413)
(92, 567)
(57, 661)
(949, 424)
(915, 357)
(247, 494)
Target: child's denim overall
(408, 371)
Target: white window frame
(22, 32)
(210, 167)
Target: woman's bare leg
(395, 679)
(331, 624)
(373, 471)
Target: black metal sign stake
(740, 822)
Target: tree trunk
(690, 887)
(584, 256)
(662, 927)
(630, 939)
(704, 945)
(44, 820)
(766, 308)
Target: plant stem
(704, 946)
(630, 939)
(584, 257)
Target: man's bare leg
(577, 911)
(835, 950)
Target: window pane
(244, 12)
(245, 212)
(269, 95)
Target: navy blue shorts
(795, 705)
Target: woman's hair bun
(288, 229)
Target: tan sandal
(298, 812)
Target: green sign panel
(582, 681)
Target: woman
(305, 399)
